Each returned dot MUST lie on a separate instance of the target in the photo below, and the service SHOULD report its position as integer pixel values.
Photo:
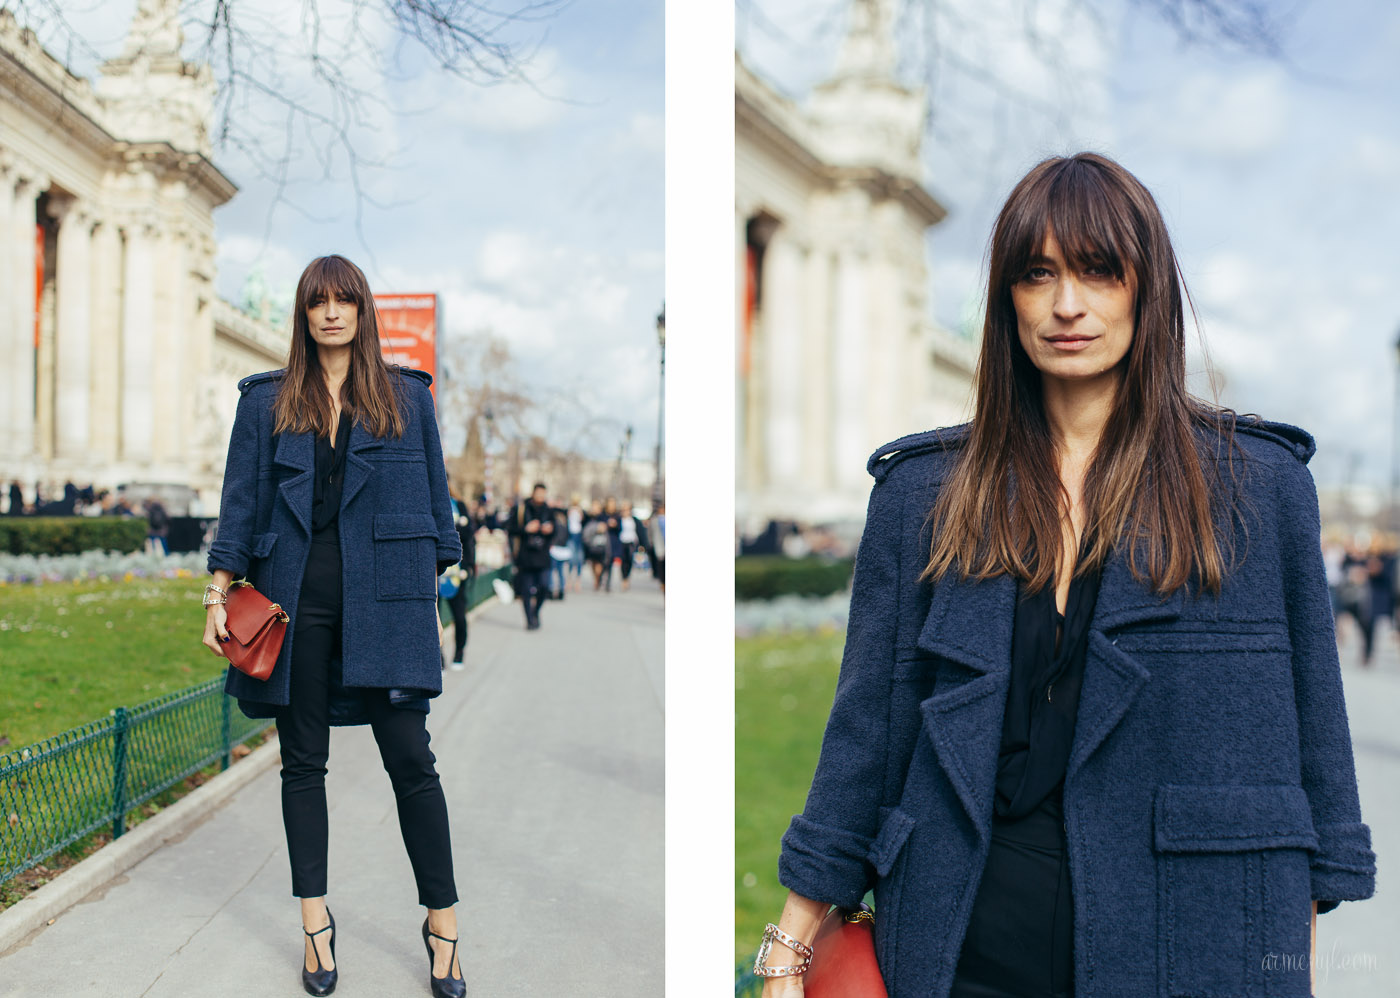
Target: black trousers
(1020, 937)
(532, 586)
(303, 729)
(458, 603)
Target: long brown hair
(369, 394)
(1153, 484)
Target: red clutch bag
(255, 628)
(843, 958)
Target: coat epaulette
(1296, 441)
(424, 376)
(944, 438)
(254, 379)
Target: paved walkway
(550, 750)
(1356, 955)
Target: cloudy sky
(535, 210)
(1277, 178)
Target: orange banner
(408, 331)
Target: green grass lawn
(71, 651)
(783, 691)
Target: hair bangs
(1089, 217)
(330, 276)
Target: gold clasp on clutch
(281, 614)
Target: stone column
(815, 373)
(137, 349)
(170, 332)
(850, 446)
(21, 356)
(104, 384)
(783, 305)
(74, 339)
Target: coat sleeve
(1344, 867)
(824, 851)
(238, 501)
(449, 544)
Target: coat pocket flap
(389, 526)
(262, 545)
(1232, 818)
(894, 829)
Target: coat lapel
(298, 451)
(1113, 678)
(357, 469)
(970, 624)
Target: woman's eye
(1037, 274)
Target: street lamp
(656, 491)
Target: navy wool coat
(397, 533)
(1210, 792)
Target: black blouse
(330, 476)
(1044, 694)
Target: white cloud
(1236, 115)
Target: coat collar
(298, 451)
(970, 624)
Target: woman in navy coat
(335, 505)
(1089, 735)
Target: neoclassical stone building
(836, 352)
(119, 358)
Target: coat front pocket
(1233, 889)
(260, 561)
(405, 565)
(885, 856)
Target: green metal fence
(55, 791)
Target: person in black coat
(467, 525)
(531, 531)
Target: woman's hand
(216, 629)
(783, 987)
(801, 919)
(216, 616)
(440, 631)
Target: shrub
(71, 534)
(769, 576)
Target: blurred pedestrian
(465, 574)
(158, 526)
(597, 543)
(532, 533)
(632, 535)
(559, 551)
(575, 525)
(612, 515)
(656, 537)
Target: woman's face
(333, 321)
(1074, 325)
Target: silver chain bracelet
(771, 934)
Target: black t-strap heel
(443, 987)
